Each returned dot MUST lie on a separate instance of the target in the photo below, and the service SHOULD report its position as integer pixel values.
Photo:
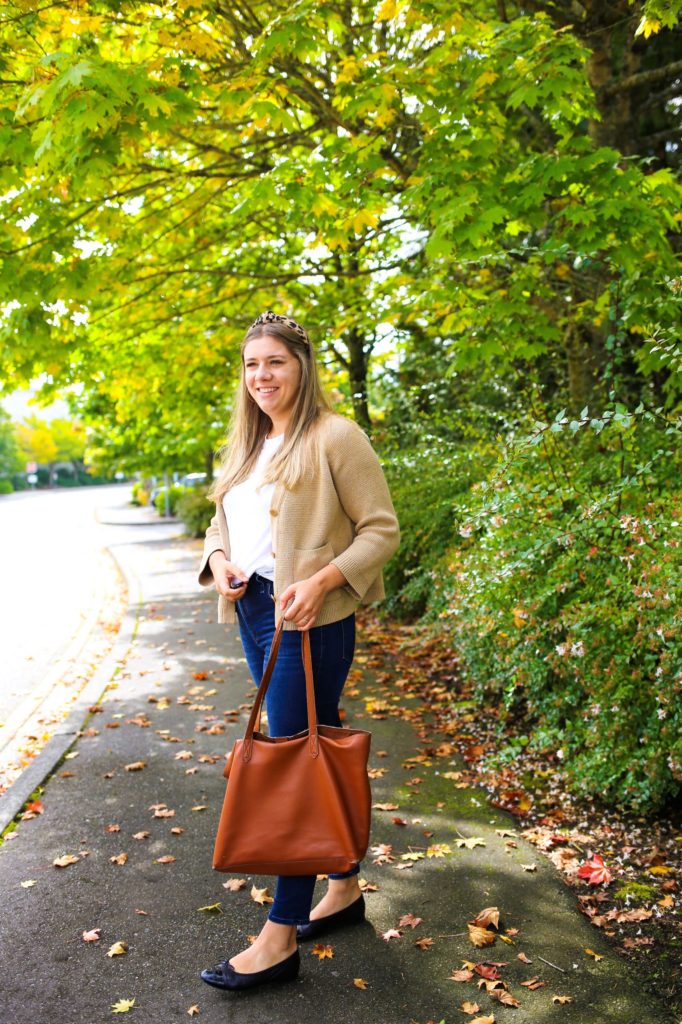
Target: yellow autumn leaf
(387, 11)
(118, 949)
(261, 896)
(648, 27)
(28, 883)
(480, 936)
(63, 862)
(122, 1006)
(214, 908)
(360, 983)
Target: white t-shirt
(247, 508)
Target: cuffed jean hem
(355, 870)
(281, 920)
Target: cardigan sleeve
(212, 542)
(363, 492)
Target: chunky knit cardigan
(342, 515)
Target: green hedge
(195, 511)
(561, 589)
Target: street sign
(32, 478)
(31, 467)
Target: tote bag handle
(254, 717)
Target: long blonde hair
(250, 425)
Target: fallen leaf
(488, 1019)
(193, 1011)
(666, 902)
(504, 997)
(143, 912)
(260, 896)
(562, 999)
(595, 956)
(121, 858)
(533, 983)
(595, 871)
(471, 842)
(234, 884)
(486, 917)
(135, 766)
(438, 850)
(322, 952)
(122, 1006)
(167, 859)
(92, 936)
(118, 949)
(163, 812)
(177, 830)
(523, 958)
(366, 886)
(392, 933)
(214, 908)
(63, 862)
(409, 919)
(360, 983)
(412, 855)
(399, 821)
(480, 936)
(141, 835)
(28, 884)
(464, 974)
(183, 755)
(529, 867)
(469, 1007)
(200, 807)
(636, 914)
(386, 807)
(112, 828)
(424, 943)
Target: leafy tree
(10, 459)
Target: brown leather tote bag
(295, 805)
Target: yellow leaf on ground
(121, 858)
(193, 1011)
(135, 766)
(360, 983)
(261, 896)
(31, 882)
(63, 862)
(471, 842)
(122, 1006)
(214, 908)
(118, 949)
(469, 1007)
(322, 952)
(488, 1019)
(591, 952)
(480, 936)
(562, 999)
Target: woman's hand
(307, 596)
(224, 571)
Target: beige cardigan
(342, 515)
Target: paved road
(50, 553)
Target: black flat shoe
(223, 975)
(352, 914)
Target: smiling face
(272, 375)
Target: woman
(303, 526)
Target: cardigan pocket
(308, 561)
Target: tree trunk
(208, 466)
(358, 364)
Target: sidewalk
(176, 703)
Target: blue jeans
(332, 647)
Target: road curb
(66, 733)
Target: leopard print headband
(270, 318)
